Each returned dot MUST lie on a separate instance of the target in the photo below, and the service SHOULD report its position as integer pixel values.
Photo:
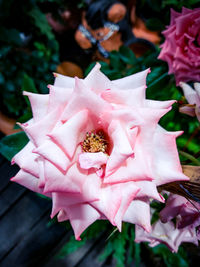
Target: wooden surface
(27, 238)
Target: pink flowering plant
(181, 48)
(104, 148)
(193, 98)
(96, 148)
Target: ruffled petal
(121, 147)
(58, 96)
(166, 162)
(67, 135)
(84, 98)
(128, 191)
(138, 213)
(27, 160)
(51, 152)
(43, 127)
(29, 181)
(92, 160)
(129, 97)
(63, 81)
(81, 216)
(133, 81)
(57, 181)
(94, 76)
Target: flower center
(95, 142)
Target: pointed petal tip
(12, 179)
(55, 74)
(78, 238)
(26, 93)
(98, 65)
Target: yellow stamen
(95, 142)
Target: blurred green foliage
(156, 13)
(28, 50)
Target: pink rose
(193, 98)
(97, 150)
(186, 228)
(181, 49)
(166, 233)
(186, 212)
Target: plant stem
(190, 157)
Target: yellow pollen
(95, 142)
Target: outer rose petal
(167, 164)
(27, 160)
(130, 97)
(62, 200)
(81, 216)
(119, 198)
(129, 191)
(58, 96)
(57, 181)
(139, 213)
(133, 81)
(148, 189)
(96, 75)
(44, 125)
(159, 104)
(29, 181)
(63, 81)
(39, 104)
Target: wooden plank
(72, 259)
(6, 172)
(91, 259)
(38, 243)
(26, 213)
(2, 159)
(9, 196)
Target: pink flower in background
(181, 49)
(166, 231)
(187, 212)
(193, 98)
(97, 150)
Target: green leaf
(10, 36)
(41, 22)
(28, 84)
(12, 144)
(115, 61)
(171, 259)
(127, 55)
(155, 24)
